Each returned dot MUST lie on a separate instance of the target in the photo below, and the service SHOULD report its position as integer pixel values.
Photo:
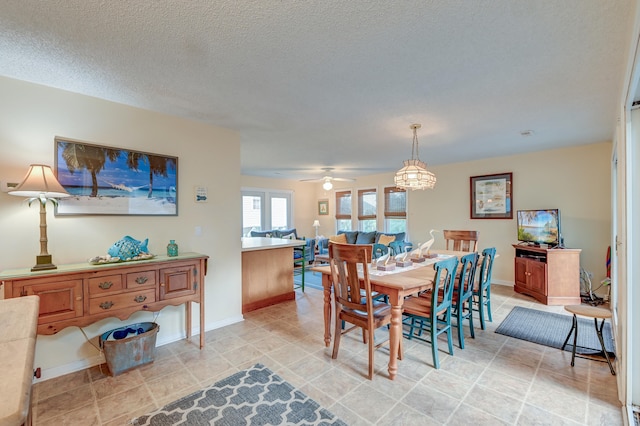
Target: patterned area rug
(550, 329)
(256, 396)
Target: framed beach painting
(105, 180)
(491, 196)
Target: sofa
(397, 246)
(298, 252)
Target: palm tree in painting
(159, 166)
(90, 157)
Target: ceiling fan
(327, 185)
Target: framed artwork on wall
(491, 196)
(105, 180)
(323, 207)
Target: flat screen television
(539, 226)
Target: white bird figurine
(402, 256)
(426, 246)
(417, 253)
(383, 260)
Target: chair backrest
(467, 275)
(461, 240)
(484, 279)
(443, 284)
(345, 261)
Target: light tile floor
(495, 380)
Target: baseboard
(83, 364)
(502, 282)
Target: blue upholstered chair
(482, 288)
(433, 314)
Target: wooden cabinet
(81, 294)
(551, 276)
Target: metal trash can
(130, 346)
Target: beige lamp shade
(316, 223)
(40, 182)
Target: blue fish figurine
(127, 248)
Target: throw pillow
(385, 240)
(340, 238)
(351, 236)
(366, 237)
(291, 236)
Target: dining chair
(461, 240)
(354, 303)
(433, 314)
(463, 295)
(482, 286)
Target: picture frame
(323, 207)
(491, 196)
(106, 180)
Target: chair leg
(371, 349)
(481, 310)
(434, 343)
(459, 320)
(450, 338)
(336, 340)
(473, 334)
(488, 299)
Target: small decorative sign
(201, 194)
(323, 207)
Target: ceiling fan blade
(312, 180)
(344, 179)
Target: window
(343, 210)
(395, 210)
(367, 206)
(265, 210)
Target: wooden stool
(591, 312)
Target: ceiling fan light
(414, 175)
(327, 185)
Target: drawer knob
(106, 305)
(142, 279)
(140, 298)
(105, 285)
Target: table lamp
(316, 224)
(40, 184)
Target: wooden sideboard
(81, 294)
(551, 276)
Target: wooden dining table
(397, 286)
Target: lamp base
(43, 263)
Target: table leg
(187, 319)
(395, 334)
(604, 350)
(575, 340)
(326, 286)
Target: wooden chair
(463, 295)
(461, 240)
(433, 314)
(352, 305)
(482, 288)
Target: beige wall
(575, 180)
(30, 117)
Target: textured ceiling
(312, 84)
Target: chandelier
(414, 174)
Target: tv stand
(549, 275)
